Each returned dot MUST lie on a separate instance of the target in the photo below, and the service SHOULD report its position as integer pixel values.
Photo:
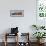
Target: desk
(17, 43)
(8, 34)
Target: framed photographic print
(41, 12)
(16, 13)
(41, 8)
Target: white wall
(24, 23)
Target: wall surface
(24, 23)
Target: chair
(7, 35)
(14, 32)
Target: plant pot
(40, 41)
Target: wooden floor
(13, 44)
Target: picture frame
(17, 13)
(40, 12)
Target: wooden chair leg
(5, 39)
(17, 39)
(5, 43)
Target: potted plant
(35, 26)
(38, 27)
(39, 35)
(42, 27)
